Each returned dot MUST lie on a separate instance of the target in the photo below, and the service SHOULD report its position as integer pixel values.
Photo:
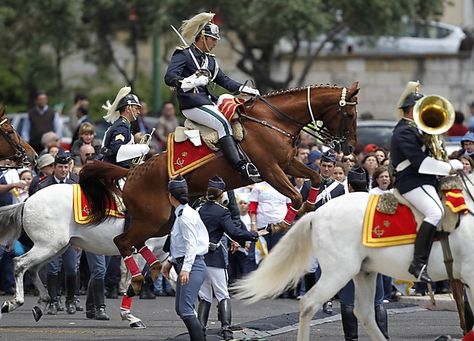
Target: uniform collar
(179, 210)
(125, 120)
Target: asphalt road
(267, 320)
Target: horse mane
(274, 93)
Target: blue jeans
(346, 294)
(68, 259)
(7, 280)
(97, 265)
(187, 295)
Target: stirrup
(420, 274)
(249, 171)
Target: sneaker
(386, 301)
(70, 307)
(52, 308)
(77, 302)
(327, 307)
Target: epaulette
(220, 205)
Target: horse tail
(10, 223)
(283, 267)
(99, 182)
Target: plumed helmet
(408, 98)
(211, 30)
(217, 183)
(129, 99)
(469, 136)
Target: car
(415, 38)
(18, 122)
(378, 132)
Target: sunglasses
(90, 154)
(347, 159)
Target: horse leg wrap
(290, 215)
(155, 265)
(132, 266)
(126, 303)
(312, 195)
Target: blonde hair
(86, 127)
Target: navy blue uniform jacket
(118, 134)
(218, 220)
(407, 144)
(182, 66)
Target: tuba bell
(434, 115)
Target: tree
(258, 27)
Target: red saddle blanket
(82, 210)
(183, 157)
(381, 230)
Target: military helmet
(410, 100)
(129, 99)
(211, 30)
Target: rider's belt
(180, 260)
(403, 165)
(213, 246)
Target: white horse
(48, 219)
(333, 234)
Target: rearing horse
(12, 146)
(272, 122)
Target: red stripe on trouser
(312, 195)
(290, 215)
(148, 255)
(126, 302)
(132, 266)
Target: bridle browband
(20, 151)
(319, 131)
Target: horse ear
(354, 90)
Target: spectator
(86, 137)
(82, 115)
(370, 164)
(467, 146)
(26, 176)
(370, 148)
(458, 128)
(86, 152)
(45, 166)
(468, 164)
(53, 150)
(348, 161)
(381, 180)
(380, 154)
(80, 101)
(48, 141)
(41, 119)
(167, 123)
(302, 152)
(314, 160)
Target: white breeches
(426, 200)
(216, 281)
(209, 116)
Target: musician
(118, 146)
(189, 243)
(190, 71)
(416, 172)
(218, 220)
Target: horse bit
(315, 129)
(20, 152)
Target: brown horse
(273, 123)
(12, 146)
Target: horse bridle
(20, 151)
(320, 132)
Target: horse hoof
(137, 325)
(37, 313)
(5, 307)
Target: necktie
(61, 182)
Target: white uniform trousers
(209, 116)
(215, 281)
(426, 200)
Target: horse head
(338, 112)
(12, 146)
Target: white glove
(130, 151)
(248, 90)
(188, 83)
(456, 164)
(201, 81)
(143, 148)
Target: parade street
(268, 320)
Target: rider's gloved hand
(248, 90)
(201, 81)
(144, 148)
(456, 164)
(188, 82)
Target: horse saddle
(450, 188)
(229, 106)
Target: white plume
(112, 113)
(191, 27)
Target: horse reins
(318, 131)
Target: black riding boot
(423, 243)
(99, 298)
(90, 305)
(203, 313)
(232, 154)
(225, 316)
(468, 316)
(349, 323)
(382, 319)
(52, 285)
(70, 291)
(194, 328)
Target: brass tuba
(434, 115)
